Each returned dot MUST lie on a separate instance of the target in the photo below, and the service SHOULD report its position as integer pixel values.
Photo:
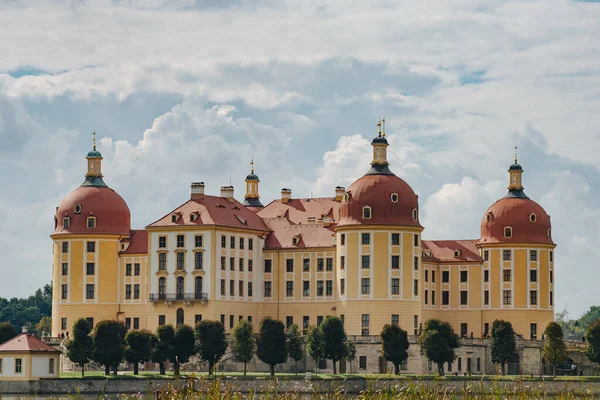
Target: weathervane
(252, 165)
(379, 126)
(516, 148)
(94, 140)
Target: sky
(182, 91)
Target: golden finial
(252, 165)
(383, 125)
(516, 148)
(379, 126)
(94, 140)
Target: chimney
(339, 193)
(24, 330)
(286, 195)
(197, 190)
(227, 192)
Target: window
(91, 222)
(362, 362)
(365, 324)
(136, 323)
(198, 240)
(50, 366)
(366, 212)
(162, 261)
(89, 268)
(478, 364)
(289, 265)
(180, 260)
(180, 317)
(329, 266)
(395, 286)
(486, 297)
(249, 289)
(551, 256)
(77, 209)
(127, 292)
(463, 276)
(241, 288)
(366, 238)
(464, 298)
(320, 288)
(223, 320)
(65, 247)
(90, 322)
(289, 321)
(289, 288)
(366, 286)
(394, 197)
(64, 292)
(306, 264)
(549, 233)
(533, 331)
(268, 289)
(433, 297)
(232, 263)
(445, 276)
(486, 275)
(136, 269)
(241, 243)
(533, 275)
(162, 287)
(65, 269)
(128, 269)
(445, 297)
(197, 318)
(506, 255)
(486, 329)
(426, 297)
(329, 288)
(223, 292)
(342, 286)
(89, 291)
(162, 241)
(232, 287)
(533, 297)
(551, 298)
(551, 276)
(343, 239)
(365, 262)
(319, 319)
(507, 232)
(180, 240)
(416, 240)
(395, 262)
(268, 266)
(463, 332)
(136, 291)
(532, 255)
(395, 239)
(507, 275)
(198, 260)
(415, 214)
(395, 319)
(223, 241)
(459, 358)
(241, 263)
(320, 264)
(250, 318)
(66, 223)
(416, 287)
(416, 263)
(433, 276)
(91, 247)
(18, 365)
(486, 255)
(232, 242)
(306, 288)
(342, 262)
(506, 298)
(161, 320)
(426, 275)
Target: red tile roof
(26, 343)
(212, 210)
(443, 250)
(138, 242)
(298, 211)
(308, 235)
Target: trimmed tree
(335, 341)
(138, 347)
(592, 338)
(212, 343)
(315, 345)
(503, 343)
(80, 347)
(163, 346)
(554, 350)
(183, 346)
(270, 343)
(395, 345)
(244, 343)
(294, 344)
(108, 344)
(7, 331)
(438, 343)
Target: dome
(252, 177)
(528, 221)
(111, 212)
(515, 167)
(392, 202)
(94, 154)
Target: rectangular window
(366, 238)
(180, 260)
(320, 264)
(223, 241)
(329, 266)
(343, 239)
(533, 275)
(223, 263)
(426, 275)
(91, 222)
(365, 262)
(507, 275)
(329, 288)
(198, 241)
(241, 263)
(127, 292)
(223, 320)
(460, 361)
(445, 276)
(65, 247)
(65, 269)
(416, 240)
(161, 320)
(551, 298)
(250, 244)
(289, 265)
(463, 297)
(416, 287)
(486, 329)
(395, 239)
(362, 362)
(136, 269)
(395, 262)
(464, 276)
(533, 331)
(305, 323)
(551, 256)
(232, 263)
(365, 324)
(50, 366)
(241, 243)
(268, 266)
(89, 291)
(445, 297)
(319, 319)
(232, 242)
(241, 288)
(551, 276)
(198, 260)
(395, 319)
(90, 267)
(162, 261)
(197, 318)
(486, 297)
(342, 262)
(320, 287)
(433, 276)
(416, 263)
(230, 321)
(532, 255)
(506, 299)
(223, 293)
(63, 323)
(136, 323)
(232, 287)
(395, 286)
(162, 242)
(289, 288)
(426, 297)
(64, 290)
(250, 265)
(136, 291)
(180, 240)
(250, 318)
(342, 286)
(90, 322)
(91, 247)
(128, 269)
(306, 288)
(249, 289)
(486, 255)
(268, 289)
(18, 365)
(306, 264)
(506, 255)
(486, 275)
(533, 297)
(478, 364)
(463, 331)
(433, 297)
(289, 321)
(366, 286)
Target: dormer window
(532, 217)
(508, 232)
(77, 209)
(193, 217)
(295, 240)
(366, 212)
(394, 197)
(174, 217)
(346, 197)
(91, 222)
(549, 233)
(456, 253)
(489, 217)
(66, 222)
(415, 214)
(242, 220)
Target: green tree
(294, 344)
(395, 345)
(108, 344)
(335, 340)
(184, 345)
(212, 343)
(7, 331)
(244, 343)
(592, 338)
(80, 347)
(138, 347)
(27, 312)
(503, 343)
(575, 329)
(315, 344)
(163, 346)
(554, 350)
(44, 327)
(270, 343)
(438, 343)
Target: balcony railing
(178, 297)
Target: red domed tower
(378, 248)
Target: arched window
(508, 232)
(415, 214)
(180, 287)
(198, 287)
(394, 197)
(180, 316)
(366, 211)
(162, 288)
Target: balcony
(172, 297)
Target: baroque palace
(357, 255)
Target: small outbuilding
(25, 357)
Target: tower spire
(379, 164)
(93, 177)
(252, 198)
(515, 184)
